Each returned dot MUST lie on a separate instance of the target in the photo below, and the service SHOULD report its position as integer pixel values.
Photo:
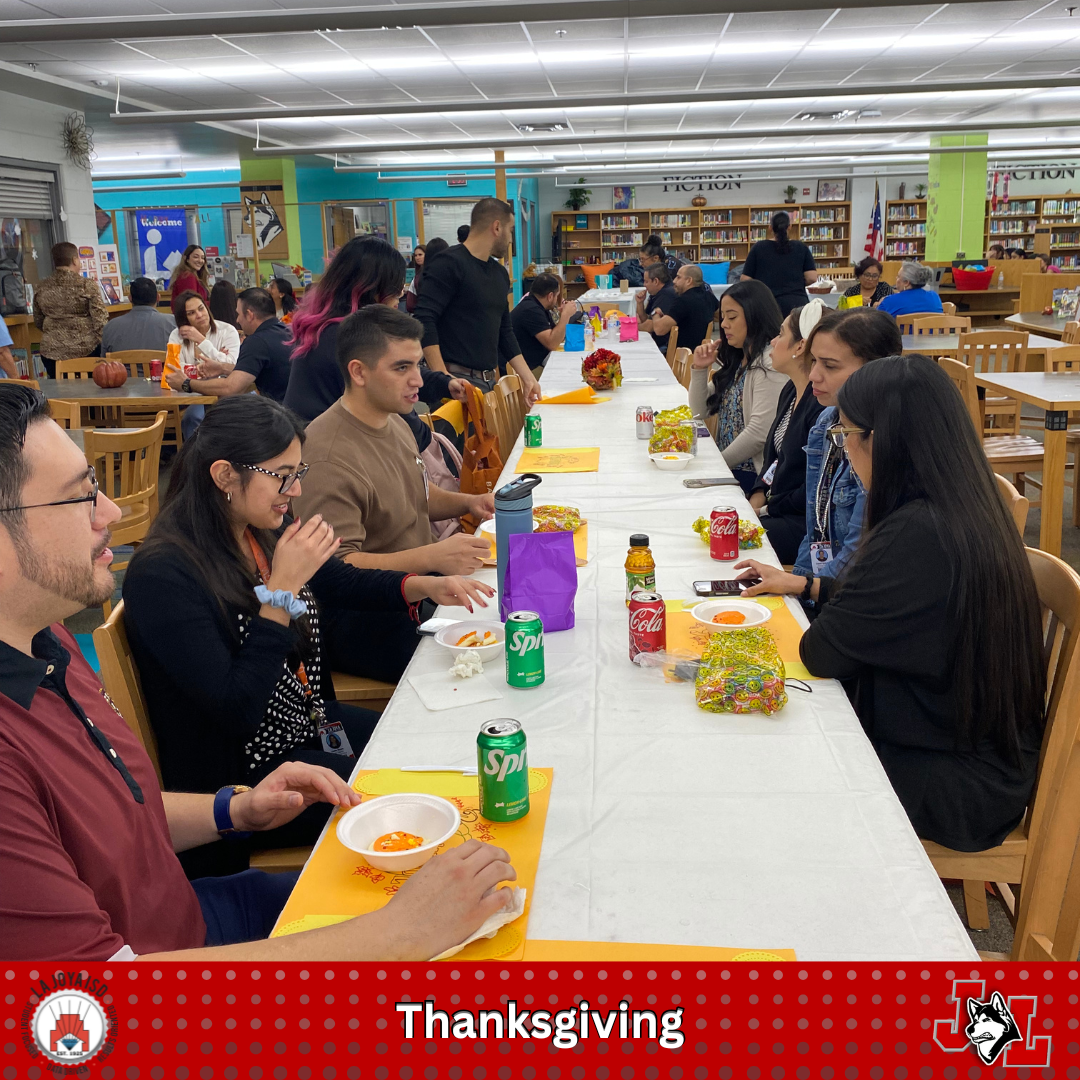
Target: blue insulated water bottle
(513, 514)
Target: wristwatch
(223, 816)
(805, 595)
(186, 386)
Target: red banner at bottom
(551, 1021)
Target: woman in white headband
(779, 496)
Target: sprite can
(524, 649)
(534, 435)
(503, 768)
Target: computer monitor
(281, 270)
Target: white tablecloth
(669, 824)
(625, 300)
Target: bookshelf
(706, 234)
(1013, 225)
(905, 229)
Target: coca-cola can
(644, 421)
(648, 630)
(724, 533)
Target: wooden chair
(371, 693)
(120, 678)
(940, 324)
(1058, 587)
(1066, 358)
(1070, 335)
(137, 361)
(1011, 454)
(996, 351)
(81, 367)
(68, 414)
(126, 462)
(948, 307)
(672, 345)
(681, 367)
(1017, 503)
(512, 403)
(906, 324)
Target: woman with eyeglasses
(840, 344)
(936, 621)
(222, 602)
(868, 284)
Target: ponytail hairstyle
(194, 516)
(366, 270)
(780, 225)
(925, 447)
(763, 321)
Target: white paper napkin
(441, 690)
(492, 923)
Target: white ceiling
(977, 44)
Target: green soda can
(524, 649)
(503, 769)
(534, 435)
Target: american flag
(875, 240)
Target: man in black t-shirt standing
(658, 294)
(693, 309)
(536, 328)
(463, 304)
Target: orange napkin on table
(586, 395)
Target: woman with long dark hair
(199, 335)
(222, 607)
(416, 264)
(190, 273)
(367, 270)
(744, 389)
(937, 618)
(779, 495)
(223, 303)
(786, 266)
(281, 292)
(839, 346)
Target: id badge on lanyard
(820, 556)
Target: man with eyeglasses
(88, 869)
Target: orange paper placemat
(542, 951)
(685, 633)
(581, 546)
(564, 459)
(584, 396)
(337, 884)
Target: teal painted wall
(316, 182)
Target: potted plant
(578, 196)
(920, 191)
(790, 192)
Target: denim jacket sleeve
(814, 449)
(854, 532)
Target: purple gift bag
(541, 576)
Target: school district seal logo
(69, 1026)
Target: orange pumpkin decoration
(110, 373)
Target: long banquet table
(668, 824)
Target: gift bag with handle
(541, 576)
(628, 328)
(172, 364)
(481, 462)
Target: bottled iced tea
(640, 566)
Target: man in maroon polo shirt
(87, 838)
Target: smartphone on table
(734, 587)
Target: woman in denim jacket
(840, 344)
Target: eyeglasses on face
(287, 480)
(870, 275)
(90, 497)
(838, 434)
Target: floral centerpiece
(602, 369)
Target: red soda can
(648, 631)
(155, 368)
(724, 533)
(644, 418)
(191, 371)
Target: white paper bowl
(755, 613)
(671, 460)
(488, 528)
(435, 819)
(448, 637)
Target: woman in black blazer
(779, 495)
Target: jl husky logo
(521, 641)
(268, 225)
(992, 1027)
